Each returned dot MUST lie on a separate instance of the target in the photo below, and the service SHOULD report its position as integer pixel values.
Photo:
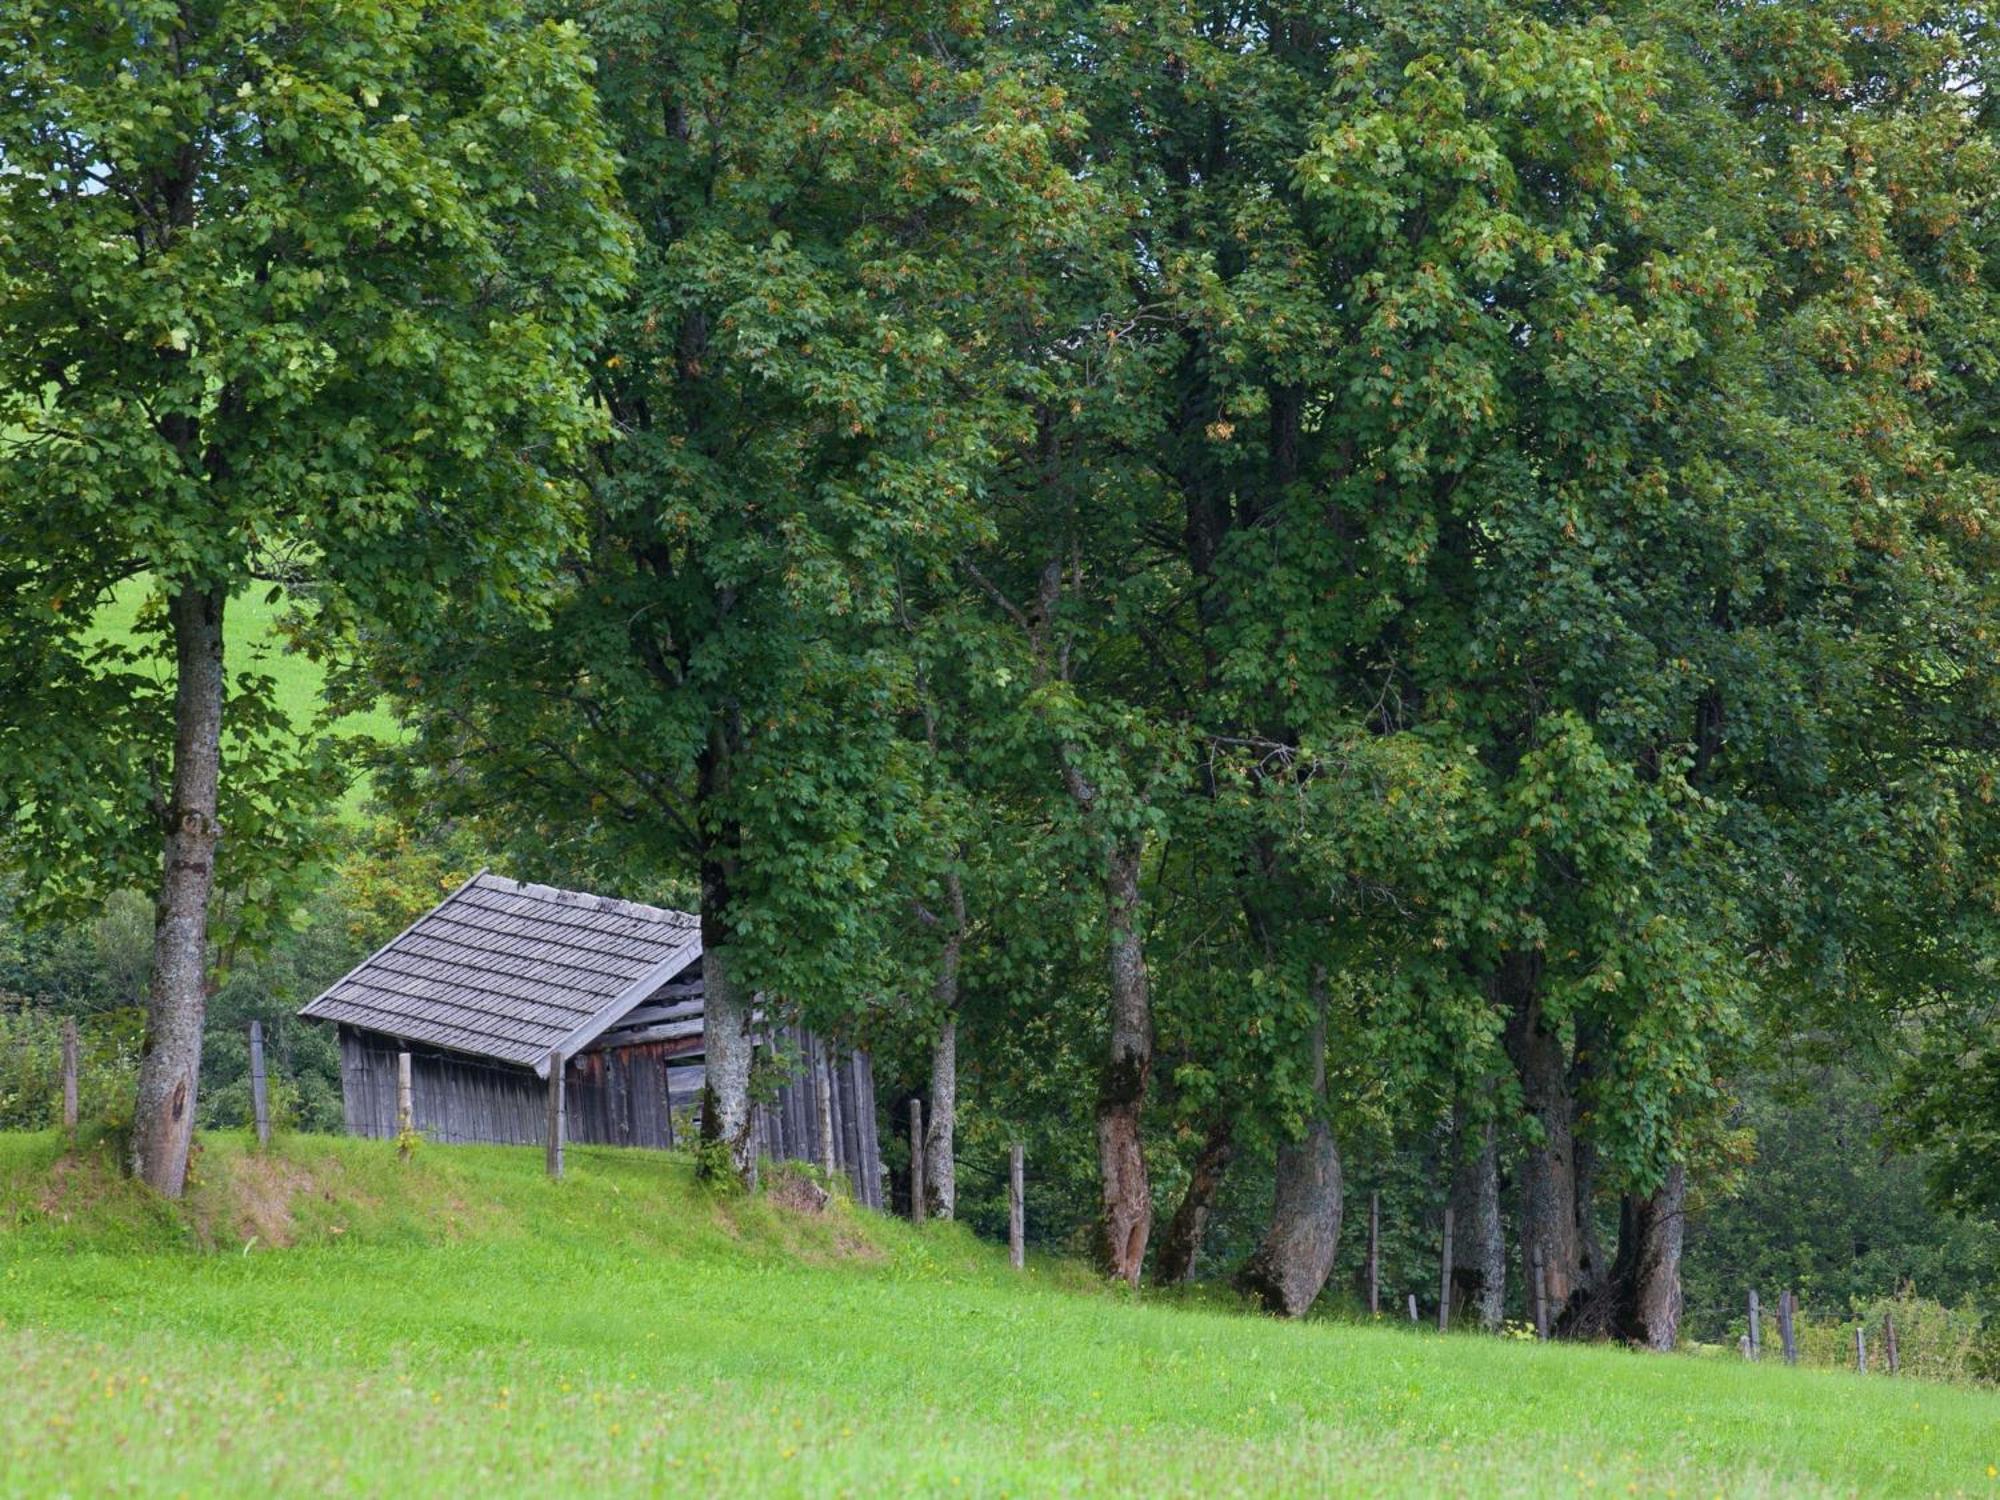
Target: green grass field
(326, 1319)
(253, 643)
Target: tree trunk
(1128, 1195)
(1185, 1231)
(1590, 1245)
(1592, 1260)
(728, 1045)
(728, 1041)
(1286, 1272)
(170, 1064)
(940, 1174)
(1479, 1252)
(940, 1146)
(1549, 1219)
(1647, 1275)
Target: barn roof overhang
(512, 972)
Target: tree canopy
(1326, 585)
(294, 298)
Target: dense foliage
(294, 297)
(1286, 603)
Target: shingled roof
(510, 971)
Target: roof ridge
(485, 996)
(557, 896)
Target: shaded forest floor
(327, 1319)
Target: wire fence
(65, 1072)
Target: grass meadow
(323, 1318)
(253, 642)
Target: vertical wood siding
(616, 1096)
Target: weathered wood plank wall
(624, 1095)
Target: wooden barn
(481, 989)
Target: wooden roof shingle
(510, 971)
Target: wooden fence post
(1541, 1297)
(260, 1103)
(405, 1112)
(1374, 1254)
(1788, 1309)
(1889, 1349)
(1444, 1277)
(1756, 1336)
(1017, 1212)
(917, 1161)
(558, 1115)
(1413, 1309)
(69, 1075)
(1860, 1350)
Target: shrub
(31, 1065)
(1934, 1342)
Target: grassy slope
(253, 643)
(459, 1322)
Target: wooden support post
(1541, 1295)
(69, 1075)
(1860, 1350)
(823, 1080)
(260, 1103)
(1889, 1350)
(405, 1111)
(916, 1161)
(1756, 1332)
(847, 1120)
(1413, 1309)
(1017, 1208)
(1374, 1254)
(867, 1141)
(1788, 1309)
(558, 1115)
(1444, 1277)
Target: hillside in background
(255, 642)
(325, 1318)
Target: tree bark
(728, 1046)
(1174, 1266)
(1127, 1218)
(1479, 1251)
(176, 1003)
(1646, 1277)
(940, 1146)
(1590, 1245)
(940, 1175)
(728, 1041)
(1287, 1271)
(1551, 1216)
